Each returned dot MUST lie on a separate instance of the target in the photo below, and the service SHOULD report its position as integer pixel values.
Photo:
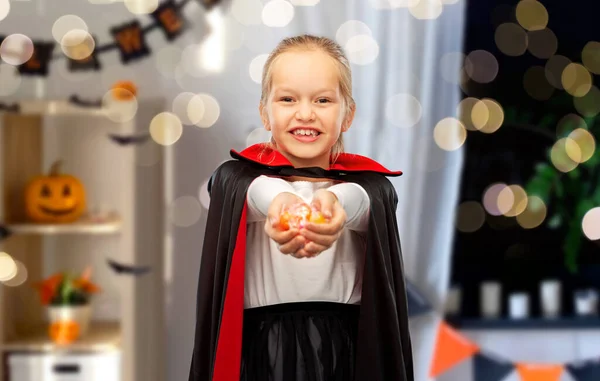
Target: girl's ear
(264, 116)
(349, 119)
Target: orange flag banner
(451, 348)
(540, 372)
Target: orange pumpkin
(56, 198)
(124, 91)
(64, 332)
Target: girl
(325, 301)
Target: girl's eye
(323, 100)
(286, 99)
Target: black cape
(384, 350)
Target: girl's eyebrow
(290, 90)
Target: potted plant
(67, 300)
(570, 195)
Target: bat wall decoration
(123, 269)
(124, 140)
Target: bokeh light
(512, 200)
(589, 104)
(361, 49)
(8, 267)
(403, 110)
(591, 224)
(10, 79)
(481, 66)
(534, 214)
(449, 134)
(490, 198)
(426, 9)
(78, 44)
(258, 135)
(495, 115)
(470, 217)
(4, 9)
(119, 111)
(568, 124)
(188, 107)
(585, 145)
(141, 7)
(532, 15)
(65, 24)
(166, 128)
(277, 13)
(511, 39)
(185, 211)
(560, 158)
(536, 84)
(20, 276)
(576, 80)
(542, 43)
(590, 56)
(554, 68)
(16, 49)
(256, 67)
(349, 29)
(211, 113)
(472, 113)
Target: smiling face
(55, 199)
(305, 110)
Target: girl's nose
(305, 112)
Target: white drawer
(65, 367)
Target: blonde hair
(326, 45)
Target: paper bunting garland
(39, 61)
(129, 39)
(585, 370)
(540, 372)
(490, 368)
(451, 349)
(417, 304)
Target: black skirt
(304, 341)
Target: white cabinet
(72, 367)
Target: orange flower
(47, 288)
(84, 283)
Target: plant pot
(586, 303)
(78, 314)
(550, 294)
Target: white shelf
(63, 107)
(102, 337)
(109, 225)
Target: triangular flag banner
(585, 370)
(417, 304)
(540, 372)
(490, 368)
(451, 348)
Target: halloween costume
(380, 332)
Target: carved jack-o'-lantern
(54, 198)
(64, 331)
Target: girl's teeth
(305, 132)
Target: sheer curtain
(405, 68)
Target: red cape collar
(346, 162)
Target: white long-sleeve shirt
(335, 275)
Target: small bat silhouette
(85, 103)
(4, 232)
(128, 139)
(15, 107)
(127, 269)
